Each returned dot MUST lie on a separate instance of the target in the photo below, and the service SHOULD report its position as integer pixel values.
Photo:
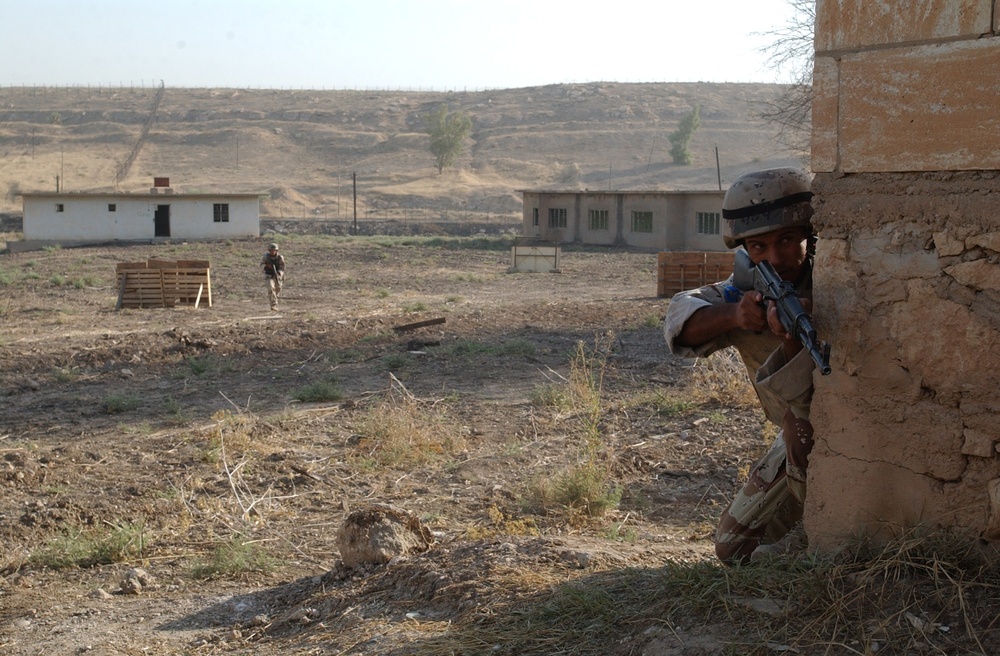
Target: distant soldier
(273, 265)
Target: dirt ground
(185, 424)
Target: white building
(128, 216)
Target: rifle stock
(796, 321)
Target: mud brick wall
(906, 156)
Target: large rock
(378, 533)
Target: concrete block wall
(906, 156)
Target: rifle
(796, 321)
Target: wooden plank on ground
(418, 324)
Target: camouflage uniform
(274, 272)
(771, 501)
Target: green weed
(417, 306)
(659, 404)
(118, 403)
(198, 366)
(89, 547)
(86, 281)
(346, 355)
(652, 321)
(552, 396)
(322, 390)
(64, 375)
(234, 557)
(395, 361)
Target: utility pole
(718, 169)
(354, 183)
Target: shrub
(401, 431)
(233, 557)
(118, 403)
(90, 547)
(323, 390)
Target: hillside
(301, 147)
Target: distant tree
(448, 133)
(570, 174)
(791, 54)
(681, 137)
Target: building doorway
(161, 221)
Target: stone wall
(906, 152)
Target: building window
(220, 212)
(557, 217)
(708, 223)
(59, 207)
(534, 216)
(642, 221)
(597, 219)
(112, 207)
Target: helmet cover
(765, 201)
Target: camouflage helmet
(764, 201)
(272, 246)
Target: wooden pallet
(677, 271)
(164, 283)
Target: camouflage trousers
(771, 501)
(273, 290)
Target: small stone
(131, 587)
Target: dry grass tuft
(722, 377)
(586, 489)
(920, 593)
(502, 523)
(402, 431)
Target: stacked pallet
(164, 283)
(681, 270)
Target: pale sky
(385, 44)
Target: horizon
(153, 84)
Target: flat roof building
(80, 217)
(654, 220)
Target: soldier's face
(784, 249)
